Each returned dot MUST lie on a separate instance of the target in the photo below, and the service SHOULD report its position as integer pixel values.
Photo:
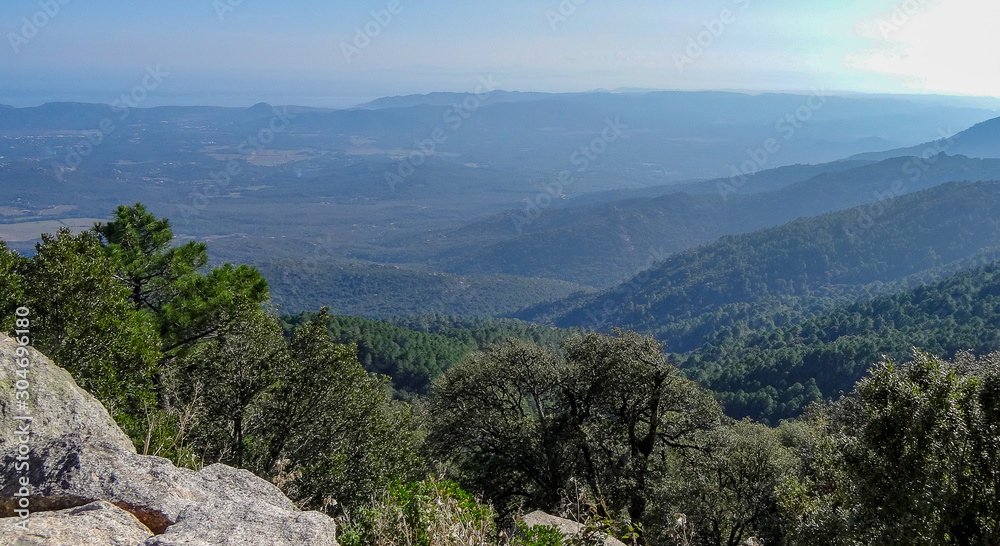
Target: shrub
(431, 512)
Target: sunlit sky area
(237, 52)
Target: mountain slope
(773, 276)
(603, 243)
(382, 292)
(775, 374)
(980, 140)
(759, 182)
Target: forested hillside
(775, 374)
(980, 140)
(413, 351)
(385, 291)
(775, 276)
(755, 182)
(603, 243)
(193, 363)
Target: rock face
(94, 523)
(85, 474)
(567, 527)
(58, 405)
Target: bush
(428, 513)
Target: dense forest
(777, 373)
(415, 350)
(383, 291)
(483, 420)
(775, 276)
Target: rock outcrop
(568, 528)
(57, 406)
(85, 475)
(95, 523)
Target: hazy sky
(293, 51)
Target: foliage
(727, 489)
(775, 374)
(11, 288)
(413, 351)
(520, 422)
(332, 423)
(228, 377)
(167, 281)
(926, 453)
(537, 535)
(186, 306)
(194, 367)
(431, 512)
(910, 459)
(82, 319)
(148, 264)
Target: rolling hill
(775, 374)
(600, 244)
(980, 140)
(775, 276)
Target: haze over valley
(688, 273)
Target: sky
(337, 53)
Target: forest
(439, 430)
(775, 276)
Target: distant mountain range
(371, 185)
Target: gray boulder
(57, 406)
(73, 471)
(80, 457)
(568, 528)
(218, 522)
(95, 524)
